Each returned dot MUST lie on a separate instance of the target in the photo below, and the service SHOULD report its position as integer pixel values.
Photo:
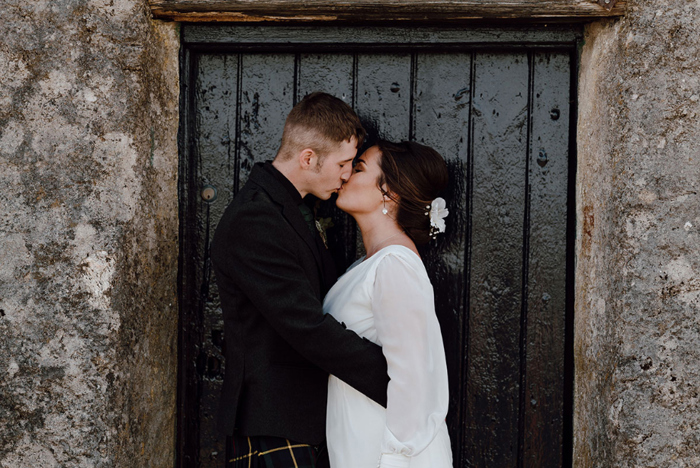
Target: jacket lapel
(290, 211)
(296, 219)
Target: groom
(273, 270)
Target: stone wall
(88, 234)
(637, 345)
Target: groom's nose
(345, 175)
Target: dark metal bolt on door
(498, 105)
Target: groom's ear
(307, 159)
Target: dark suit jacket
(280, 347)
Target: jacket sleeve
(260, 256)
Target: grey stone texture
(88, 234)
(637, 313)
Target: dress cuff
(394, 460)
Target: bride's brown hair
(414, 175)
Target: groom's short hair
(320, 122)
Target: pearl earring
(384, 210)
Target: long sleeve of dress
(409, 333)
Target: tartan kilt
(273, 452)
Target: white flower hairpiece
(438, 212)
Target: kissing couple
(348, 373)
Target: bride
(387, 298)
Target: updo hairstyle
(414, 175)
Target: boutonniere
(323, 224)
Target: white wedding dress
(388, 299)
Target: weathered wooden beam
(382, 10)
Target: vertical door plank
(546, 312)
(216, 93)
(267, 96)
(384, 94)
(441, 121)
(215, 103)
(500, 99)
(333, 74)
(383, 98)
(330, 73)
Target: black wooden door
(497, 104)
